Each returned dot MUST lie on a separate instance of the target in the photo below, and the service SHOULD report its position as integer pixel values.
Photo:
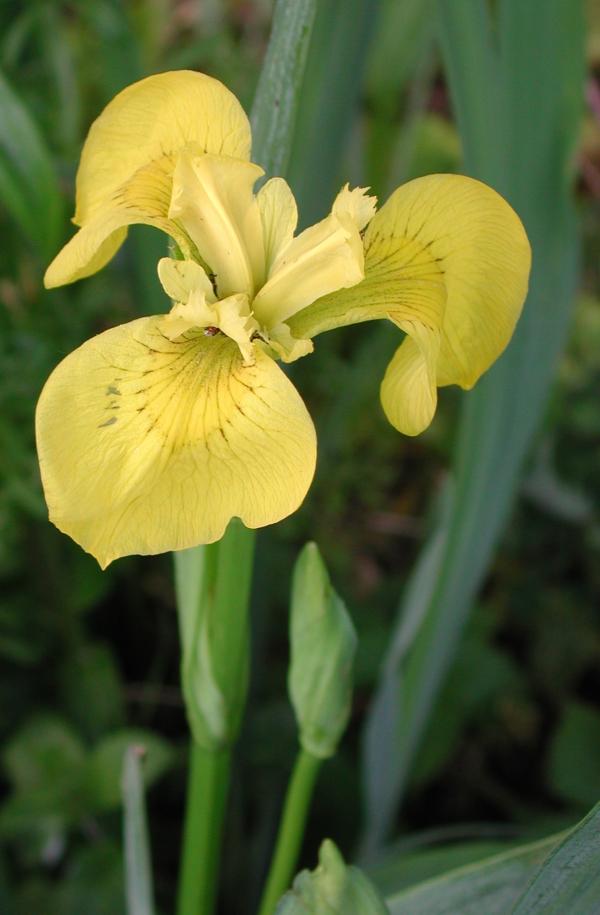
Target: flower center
(261, 274)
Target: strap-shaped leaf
(28, 183)
(496, 92)
(138, 867)
(569, 880)
(490, 886)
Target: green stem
(208, 782)
(213, 586)
(291, 830)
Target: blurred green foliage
(90, 659)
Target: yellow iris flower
(153, 435)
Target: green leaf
(45, 750)
(402, 865)
(138, 867)
(574, 765)
(28, 183)
(569, 880)
(45, 763)
(401, 33)
(490, 886)
(517, 132)
(332, 888)
(400, 71)
(329, 102)
(91, 689)
(480, 674)
(213, 584)
(282, 74)
(93, 882)
(102, 778)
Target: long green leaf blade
(501, 416)
(569, 880)
(490, 886)
(277, 95)
(138, 868)
(28, 183)
(334, 75)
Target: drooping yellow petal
(447, 260)
(479, 244)
(408, 390)
(126, 168)
(213, 200)
(279, 215)
(90, 248)
(148, 445)
(143, 199)
(155, 118)
(445, 251)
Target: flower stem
(291, 830)
(213, 586)
(208, 782)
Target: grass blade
(138, 868)
(569, 880)
(334, 76)
(277, 94)
(501, 416)
(28, 183)
(489, 886)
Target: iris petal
(127, 162)
(152, 118)
(408, 390)
(279, 216)
(447, 260)
(144, 199)
(324, 257)
(148, 445)
(213, 200)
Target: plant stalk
(208, 782)
(291, 830)
(213, 584)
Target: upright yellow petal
(356, 204)
(324, 257)
(127, 162)
(213, 201)
(182, 278)
(148, 445)
(279, 215)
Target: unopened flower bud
(323, 642)
(332, 888)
